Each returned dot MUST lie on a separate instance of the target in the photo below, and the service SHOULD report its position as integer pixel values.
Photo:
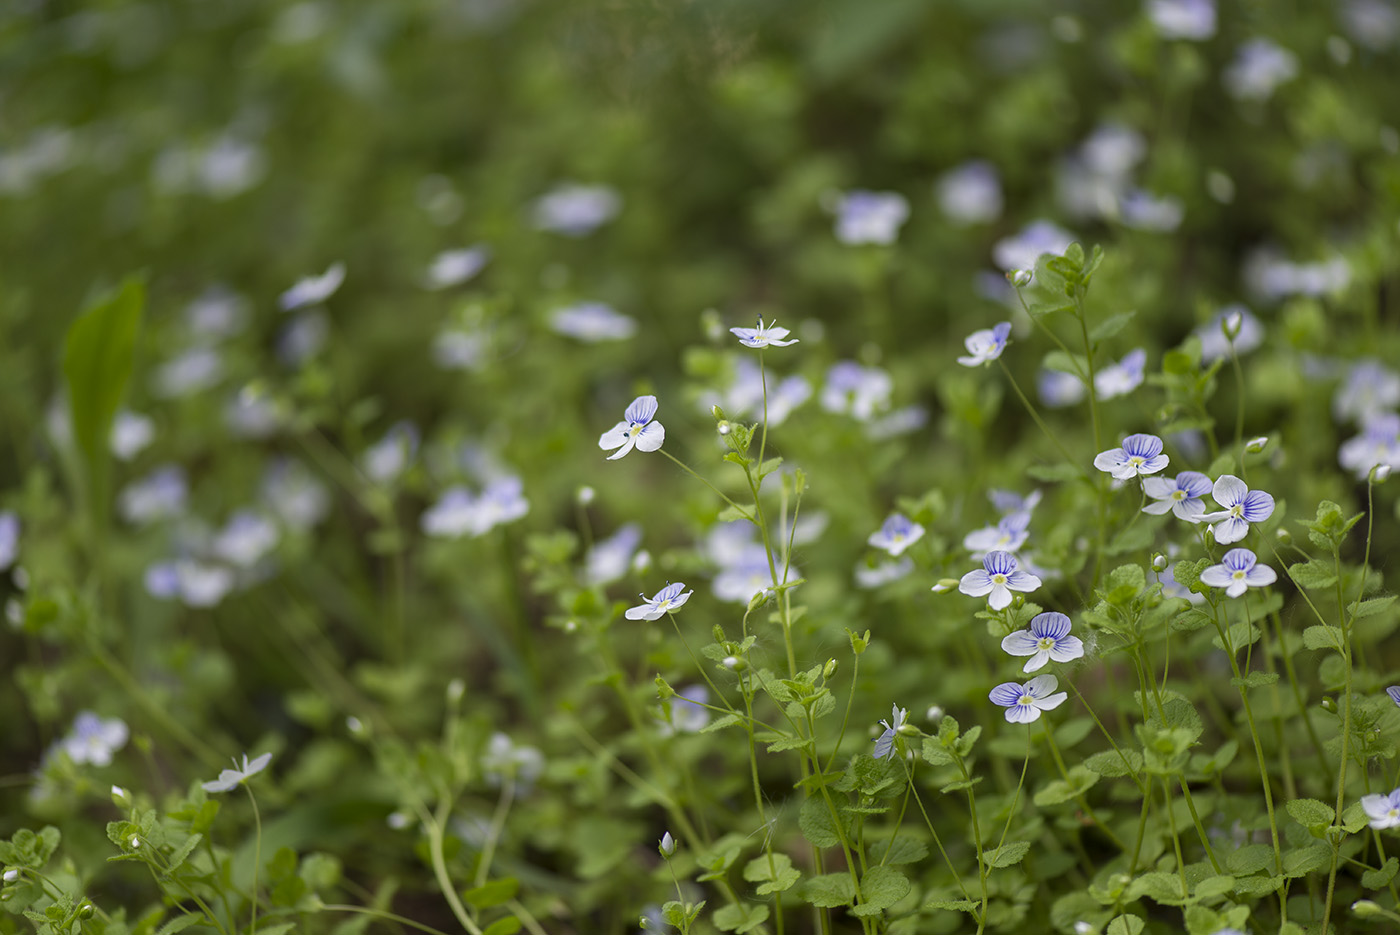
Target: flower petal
(975, 583)
(1258, 506)
(613, 437)
(631, 441)
(1006, 694)
(651, 437)
(1052, 701)
(1231, 530)
(641, 410)
(1229, 490)
(1022, 714)
(1052, 624)
(1042, 685)
(1020, 643)
(1217, 576)
(999, 598)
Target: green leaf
(1111, 326)
(180, 923)
(1250, 859)
(730, 513)
(1059, 791)
(1255, 887)
(1299, 862)
(1066, 363)
(740, 917)
(1312, 575)
(816, 823)
(1008, 854)
(1212, 887)
(1379, 879)
(492, 893)
(1158, 886)
(829, 890)
(1110, 764)
(775, 872)
(1255, 680)
(954, 905)
(1310, 813)
(1137, 536)
(1372, 607)
(880, 888)
(97, 360)
(183, 853)
(1320, 636)
(720, 723)
(902, 850)
(1126, 925)
(507, 926)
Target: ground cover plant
(766, 467)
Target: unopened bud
(668, 845)
(585, 495)
(718, 412)
(664, 691)
(829, 669)
(355, 726)
(1256, 445)
(759, 599)
(944, 584)
(85, 911)
(724, 428)
(734, 663)
(11, 875)
(455, 690)
(1327, 704)
(397, 820)
(1284, 536)
(135, 842)
(1366, 908)
(934, 713)
(641, 561)
(1159, 563)
(1019, 277)
(120, 797)
(570, 626)
(1379, 473)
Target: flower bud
(668, 845)
(759, 599)
(934, 713)
(1159, 563)
(944, 584)
(135, 842)
(641, 561)
(664, 691)
(1019, 277)
(718, 412)
(120, 797)
(570, 626)
(1256, 445)
(11, 875)
(397, 820)
(829, 669)
(734, 663)
(355, 726)
(1379, 473)
(724, 428)
(85, 911)
(1327, 704)
(455, 690)
(1366, 908)
(1284, 536)
(585, 495)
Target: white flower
(763, 335)
(1383, 810)
(636, 430)
(870, 217)
(986, 345)
(884, 744)
(454, 267)
(665, 601)
(592, 322)
(576, 210)
(232, 778)
(1238, 572)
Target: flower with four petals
(998, 577)
(635, 430)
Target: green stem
(257, 855)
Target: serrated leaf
(1008, 854)
(720, 723)
(880, 888)
(1211, 887)
(1255, 680)
(1111, 764)
(1312, 575)
(954, 905)
(740, 917)
(902, 850)
(182, 853)
(1310, 813)
(829, 890)
(1321, 636)
(816, 823)
(1379, 879)
(1126, 925)
(1372, 607)
(1300, 862)
(1250, 859)
(775, 877)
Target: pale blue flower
(870, 576)
(1047, 638)
(246, 539)
(686, 710)
(636, 430)
(1259, 67)
(870, 217)
(313, 290)
(389, 457)
(609, 559)
(1370, 389)
(897, 533)
(763, 335)
(986, 345)
(454, 267)
(1023, 703)
(1141, 210)
(193, 583)
(1378, 443)
(9, 538)
(1140, 454)
(592, 322)
(194, 371)
(1237, 572)
(576, 210)
(216, 313)
(997, 577)
(1394, 693)
(460, 348)
(857, 391)
(1382, 810)
(504, 760)
(233, 778)
(161, 494)
(1008, 501)
(1037, 238)
(1121, 378)
(1181, 495)
(1058, 389)
(897, 422)
(1242, 506)
(304, 337)
(94, 739)
(971, 193)
(665, 601)
(884, 744)
(1193, 20)
(459, 512)
(131, 434)
(1008, 535)
(294, 495)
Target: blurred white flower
(313, 290)
(971, 193)
(576, 210)
(592, 322)
(454, 267)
